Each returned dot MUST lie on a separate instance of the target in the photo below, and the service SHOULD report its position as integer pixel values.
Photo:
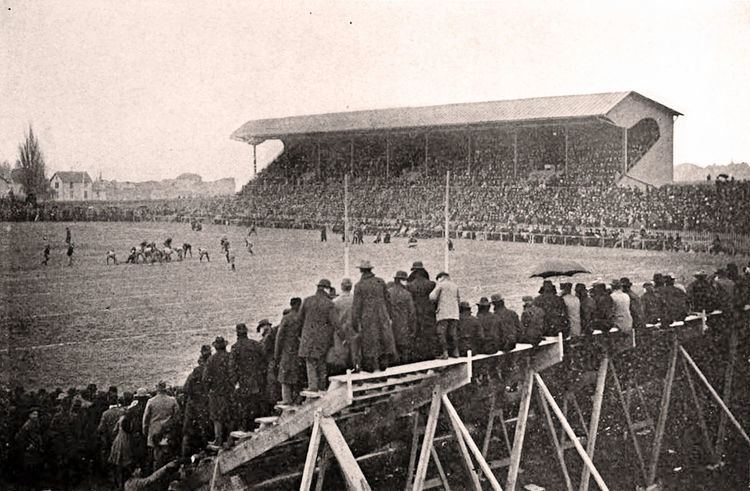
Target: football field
(132, 325)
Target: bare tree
(31, 160)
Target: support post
(708, 447)
(523, 416)
(555, 442)
(346, 226)
(596, 411)
(628, 420)
(312, 455)
(350, 469)
(490, 424)
(446, 263)
(727, 396)
(663, 412)
(429, 435)
(571, 434)
(413, 452)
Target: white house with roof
(71, 186)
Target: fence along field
(131, 325)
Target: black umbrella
(557, 267)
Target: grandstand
(620, 138)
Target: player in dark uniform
(68, 238)
(324, 234)
(46, 252)
(225, 246)
(70, 253)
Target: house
(16, 183)
(71, 186)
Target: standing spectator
(318, 318)
(217, 379)
(701, 293)
(60, 439)
(621, 303)
(636, 306)
(30, 441)
(653, 304)
(555, 316)
(133, 422)
(489, 325)
(588, 308)
(572, 307)
(272, 393)
(469, 330)
(532, 321)
(195, 431)
(108, 425)
(404, 316)
(371, 317)
(324, 233)
(160, 416)
(420, 286)
(286, 353)
(247, 365)
(507, 322)
(121, 451)
(343, 304)
(604, 311)
(675, 302)
(446, 299)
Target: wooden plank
(571, 434)
(559, 452)
(439, 467)
(421, 366)
(312, 455)
(350, 469)
(286, 427)
(663, 413)
(468, 464)
(453, 414)
(393, 382)
(325, 464)
(490, 424)
(429, 434)
(715, 395)
(628, 420)
(409, 401)
(547, 355)
(523, 416)
(413, 451)
(596, 411)
(707, 446)
(727, 395)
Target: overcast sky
(147, 90)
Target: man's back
(247, 363)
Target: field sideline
(131, 325)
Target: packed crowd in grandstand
(125, 435)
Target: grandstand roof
(474, 113)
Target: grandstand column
(351, 156)
(624, 151)
(387, 156)
(515, 153)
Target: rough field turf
(131, 325)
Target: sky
(148, 90)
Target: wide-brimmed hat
(496, 297)
(219, 342)
(527, 299)
(463, 305)
(483, 302)
(401, 275)
(261, 323)
(625, 281)
(324, 283)
(700, 273)
(365, 265)
(205, 350)
(417, 265)
(141, 392)
(241, 328)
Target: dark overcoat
(510, 327)
(532, 322)
(196, 408)
(218, 380)
(420, 289)
(318, 318)
(248, 366)
(653, 307)
(588, 308)
(404, 317)
(371, 316)
(286, 351)
(675, 304)
(470, 334)
(491, 331)
(555, 314)
(636, 310)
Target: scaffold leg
(312, 455)
(555, 442)
(727, 395)
(628, 420)
(699, 414)
(596, 411)
(523, 416)
(429, 435)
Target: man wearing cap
(318, 318)
(469, 330)
(217, 378)
(446, 298)
(532, 322)
(490, 330)
(653, 304)
(343, 305)
(247, 363)
(371, 317)
(420, 286)
(572, 308)
(508, 322)
(195, 426)
(636, 306)
(404, 317)
(286, 353)
(701, 293)
(621, 303)
(161, 410)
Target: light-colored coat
(573, 307)
(622, 318)
(159, 410)
(446, 297)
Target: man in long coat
(532, 322)
(555, 313)
(572, 308)
(161, 413)
(420, 286)
(219, 383)
(446, 298)
(491, 332)
(636, 306)
(318, 318)
(702, 293)
(653, 304)
(507, 321)
(286, 353)
(675, 302)
(195, 431)
(469, 330)
(248, 366)
(343, 305)
(604, 311)
(404, 317)
(371, 316)
(588, 308)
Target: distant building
(15, 178)
(71, 186)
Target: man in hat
(248, 364)
(469, 330)
(286, 353)
(446, 298)
(572, 308)
(491, 333)
(161, 410)
(348, 348)
(318, 318)
(636, 306)
(217, 378)
(272, 392)
(30, 441)
(371, 317)
(621, 308)
(195, 430)
(604, 310)
(702, 293)
(653, 304)
(404, 317)
(507, 321)
(555, 315)
(532, 322)
(420, 286)
(108, 425)
(675, 302)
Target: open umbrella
(557, 267)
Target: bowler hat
(496, 297)
(241, 328)
(141, 392)
(527, 299)
(625, 281)
(401, 275)
(205, 350)
(219, 343)
(324, 283)
(365, 265)
(417, 265)
(463, 305)
(483, 302)
(263, 322)
(647, 284)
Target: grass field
(131, 325)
